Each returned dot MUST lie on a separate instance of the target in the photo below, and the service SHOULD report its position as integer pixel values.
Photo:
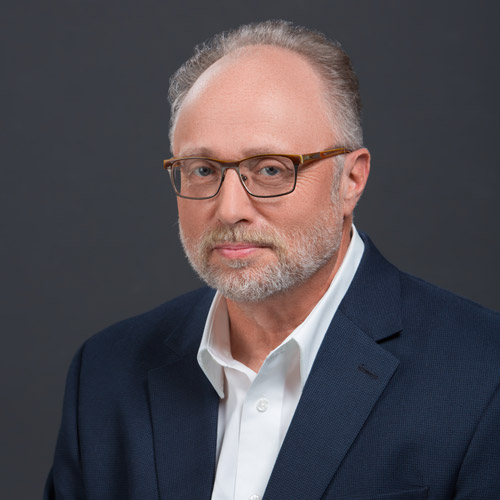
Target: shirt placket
(259, 437)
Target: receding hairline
(252, 51)
(333, 67)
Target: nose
(234, 204)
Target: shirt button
(262, 405)
(253, 497)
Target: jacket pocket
(413, 494)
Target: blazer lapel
(348, 376)
(184, 410)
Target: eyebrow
(206, 152)
(196, 152)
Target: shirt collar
(214, 352)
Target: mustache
(264, 237)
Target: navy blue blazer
(402, 403)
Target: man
(317, 369)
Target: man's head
(328, 60)
(266, 98)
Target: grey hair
(327, 57)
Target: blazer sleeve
(479, 476)
(65, 478)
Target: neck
(256, 328)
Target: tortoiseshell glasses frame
(253, 167)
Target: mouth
(237, 250)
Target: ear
(354, 177)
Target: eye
(270, 171)
(270, 167)
(203, 171)
(199, 168)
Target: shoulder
(449, 352)
(434, 325)
(148, 334)
(425, 292)
(424, 303)
(454, 341)
(421, 302)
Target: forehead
(259, 97)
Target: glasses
(262, 176)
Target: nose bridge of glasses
(232, 165)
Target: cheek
(312, 197)
(189, 219)
(315, 183)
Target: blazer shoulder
(434, 296)
(154, 326)
(458, 321)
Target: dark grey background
(88, 219)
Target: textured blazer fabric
(402, 403)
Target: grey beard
(299, 257)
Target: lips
(236, 250)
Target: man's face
(263, 100)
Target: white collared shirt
(256, 409)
